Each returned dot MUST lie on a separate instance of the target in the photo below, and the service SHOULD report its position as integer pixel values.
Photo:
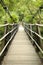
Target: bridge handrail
(40, 25)
(7, 34)
(35, 33)
(27, 29)
(11, 33)
(3, 25)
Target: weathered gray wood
(21, 51)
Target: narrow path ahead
(21, 51)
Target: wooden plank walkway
(21, 51)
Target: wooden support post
(31, 33)
(39, 32)
(38, 39)
(6, 30)
(31, 29)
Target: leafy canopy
(22, 10)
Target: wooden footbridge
(21, 50)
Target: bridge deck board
(21, 51)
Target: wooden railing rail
(35, 31)
(9, 31)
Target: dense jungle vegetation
(29, 11)
(22, 10)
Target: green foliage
(15, 16)
(2, 13)
(22, 10)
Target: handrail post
(12, 28)
(31, 32)
(38, 39)
(39, 32)
(5, 32)
(5, 28)
(31, 29)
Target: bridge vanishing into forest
(21, 50)
(25, 47)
